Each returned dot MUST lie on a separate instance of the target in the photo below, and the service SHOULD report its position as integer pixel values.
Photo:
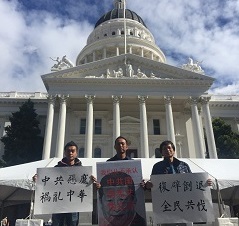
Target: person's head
(121, 145)
(117, 198)
(71, 151)
(167, 149)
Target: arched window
(157, 153)
(81, 153)
(97, 153)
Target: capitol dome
(115, 34)
(119, 13)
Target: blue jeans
(69, 219)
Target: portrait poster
(181, 198)
(120, 198)
(63, 190)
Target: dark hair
(117, 179)
(69, 144)
(120, 137)
(165, 143)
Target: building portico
(121, 85)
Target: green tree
(227, 141)
(2, 163)
(22, 142)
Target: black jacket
(63, 163)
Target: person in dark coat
(70, 159)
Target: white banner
(181, 198)
(120, 198)
(63, 190)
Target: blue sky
(33, 31)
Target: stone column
(89, 126)
(208, 127)
(143, 127)
(152, 56)
(179, 148)
(198, 135)
(61, 127)
(130, 49)
(169, 119)
(49, 125)
(117, 50)
(93, 55)
(116, 117)
(104, 53)
(85, 60)
(142, 52)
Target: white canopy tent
(16, 184)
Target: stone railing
(23, 95)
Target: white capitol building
(121, 84)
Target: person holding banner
(70, 159)
(118, 202)
(169, 165)
(121, 147)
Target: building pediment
(127, 66)
(127, 70)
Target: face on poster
(120, 198)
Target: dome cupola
(118, 32)
(118, 12)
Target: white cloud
(205, 30)
(27, 41)
(208, 31)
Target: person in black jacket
(70, 159)
(170, 165)
(121, 146)
(123, 213)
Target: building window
(81, 153)
(98, 126)
(82, 126)
(156, 125)
(97, 153)
(157, 153)
(113, 33)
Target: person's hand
(142, 184)
(34, 178)
(148, 185)
(209, 182)
(94, 179)
(97, 185)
